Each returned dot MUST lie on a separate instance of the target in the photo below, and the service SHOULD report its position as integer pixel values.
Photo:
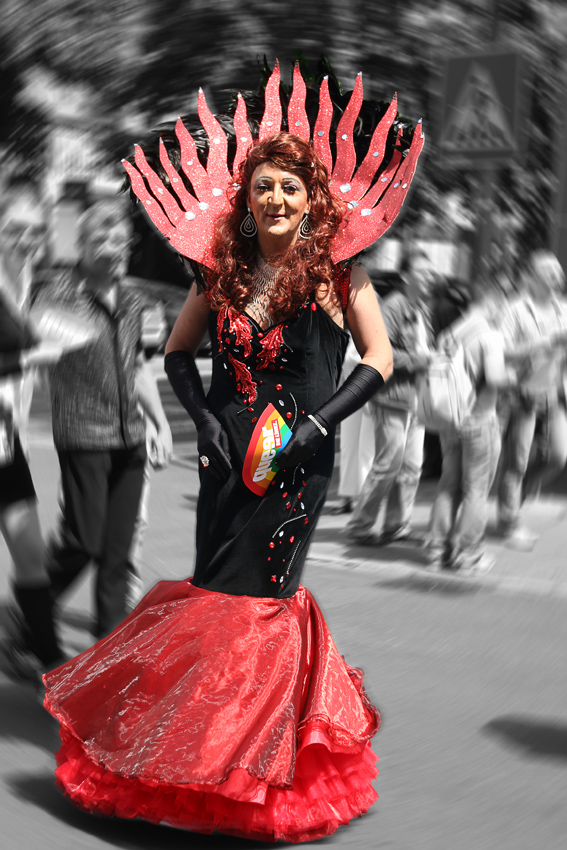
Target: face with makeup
(278, 201)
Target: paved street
(469, 675)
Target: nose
(277, 196)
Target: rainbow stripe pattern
(270, 435)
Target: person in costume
(34, 646)
(221, 702)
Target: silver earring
(248, 227)
(305, 228)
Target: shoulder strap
(342, 285)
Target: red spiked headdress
(374, 192)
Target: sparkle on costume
(244, 381)
(271, 345)
(293, 519)
(190, 227)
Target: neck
(273, 253)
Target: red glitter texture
(271, 345)
(244, 381)
(238, 326)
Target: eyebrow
(289, 179)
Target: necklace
(264, 283)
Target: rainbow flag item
(270, 435)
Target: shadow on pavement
(40, 791)
(534, 737)
(449, 585)
(23, 718)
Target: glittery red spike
(244, 380)
(188, 201)
(151, 206)
(364, 225)
(364, 175)
(242, 133)
(272, 120)
(217, 169)
(190, 161)
(271, 344)
(297, 120)
(346, 154)
(323, 125)
(166, 199)
(383, 182)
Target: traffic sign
(481, 109)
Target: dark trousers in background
(101, 494)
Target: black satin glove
(212, 443)
(305, 441)
(212, 440)
(362, 383)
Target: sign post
(480, 127)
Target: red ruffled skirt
(215, 712)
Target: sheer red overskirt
(209, 711)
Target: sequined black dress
(247, 544)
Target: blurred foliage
(143, 60)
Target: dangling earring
(305, 228)
(248, 227)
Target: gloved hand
(360, 385)
(212, 441)
(305, 441)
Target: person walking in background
(391, 485)
(535, 335)
(155, 459)
(470, 452)
(98, 429)
(356, 445)
(34, 646)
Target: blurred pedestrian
(356, 445)
(155, 459)
(98, 429)
(391, 485)
(34, 646)
(470, 452)
(536, 338)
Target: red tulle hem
(329, 790)
(213, 712)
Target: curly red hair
(305, 264)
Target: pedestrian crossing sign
(481, 109)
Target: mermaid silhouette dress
(221, 702)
